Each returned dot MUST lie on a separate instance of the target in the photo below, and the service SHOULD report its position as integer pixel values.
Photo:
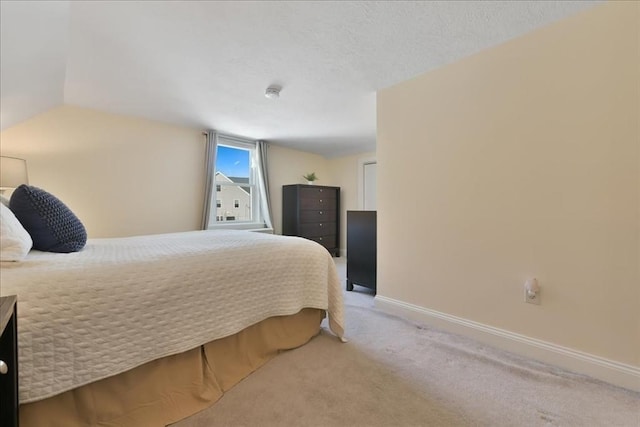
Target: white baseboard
(613, 372)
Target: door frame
(361, 164)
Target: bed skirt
(167, 390)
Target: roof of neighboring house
(234, 179)
(239, 180)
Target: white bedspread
(122, 302)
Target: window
(236, 180)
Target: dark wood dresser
(312, 212)
(361, 249)
(8, 362)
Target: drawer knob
(320, 200)
(320, 212)
(321, 190)
(320, 224)
(320, 238)
(3, 367)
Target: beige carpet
(396, 373)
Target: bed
(147, 330)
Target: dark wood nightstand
(361, 249)
(8, 361)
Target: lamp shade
(13, 172)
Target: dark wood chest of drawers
(312, 212)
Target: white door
(369, 184)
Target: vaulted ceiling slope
(207, 64)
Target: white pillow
(15, 241)
(4, 200)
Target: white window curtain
(261, 151)
(210, 159)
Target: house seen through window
(236, 183)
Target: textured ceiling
(207, 64)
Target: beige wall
(122, 176)
(126, 176)
(521, 161)
(286, 166)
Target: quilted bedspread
(123, 302)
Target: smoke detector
(273, 92)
